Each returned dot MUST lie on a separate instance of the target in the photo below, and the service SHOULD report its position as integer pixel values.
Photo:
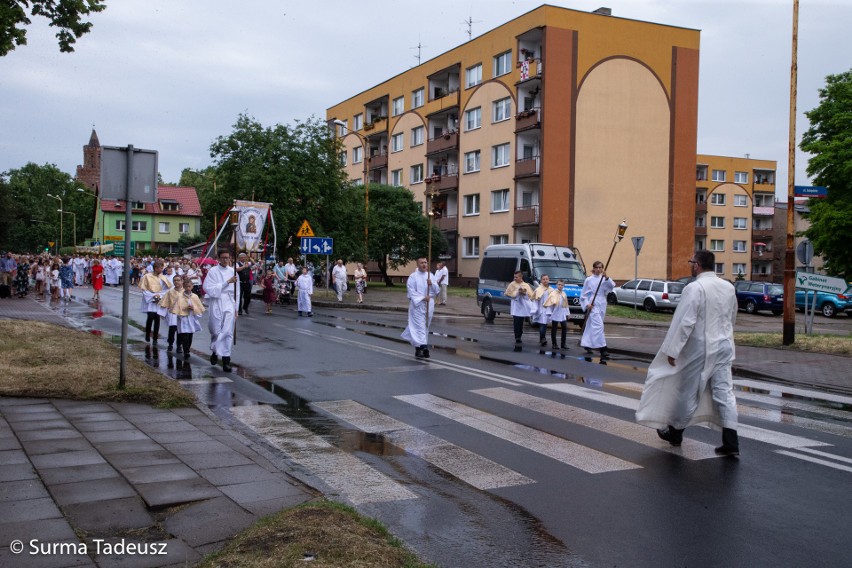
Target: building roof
(93, 139)
(185, 197)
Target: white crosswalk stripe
(354, 479)
(471, 468)
(567, 452)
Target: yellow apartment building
(734, 211)
(552, 127)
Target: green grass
(829, 344)
(639, 313)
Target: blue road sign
(810, 191)
(317, 245)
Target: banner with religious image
(252, 220)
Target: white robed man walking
(689, 381)
(593, 333)
(221, 290)
(305, 286)
(422, 288)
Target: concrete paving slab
(9, 402)
(139, 446)
(43, 414)
(9, 443)
(65, 459)
(209, 521)
(56, 434)
(82, 418)
(260, 490)
(12, 457)
(235, 474)
(128, 408)
(72, 474)
(55, 560)
(116, 436)
(167, 426)
(157, 473)
(104, 426)
(207, 461)
(34, 407)
(209, 447)
(79, 407)
(91, 491)
(29, 510)
(38, 447)
(47, 530)
(49, 424)
(188, 412)
(17, 472)
(176, 492)
(193, 435)
(23, 489)
(140, 459)
(271, 506)
(178, 553)
(109, 516)
(153, 417)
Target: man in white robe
(338, 274)
(422, 290)
(305, 287)
(79, 270)
(221, 290)
(593, 300)
(689, 382)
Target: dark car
(756, 296)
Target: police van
(500, 262)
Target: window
(139, 226)
(739, 246)
(717, 199)
(357, 155)
(700, 220)
(169, 206)
(719, 175)
(501, 110)
(499, 239)
(740, 223)
(701, 173)
(740, 201)
(138, 206)
(398, 106)
(717, 222)
(500, 201)
(473, 76)
(397, 142)
(417, 98)
(183, 228)
(717, 245)
(470, 247)
(343, 158)
(471, 204)
(119, 224)
(701, 196)
(740, 177)
(719, 267)
(473, 118)
(500, 155)
(502, 63)
(164, 227)
(416, 173)
(396, 177)
(739, 268)
(417, 136)
(342, 127)
(358, 121)
(471, 162)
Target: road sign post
(637, 246)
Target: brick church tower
(90, 172)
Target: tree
(66, 15)
(398, 230)
(829, 140)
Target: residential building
(734, 210)
(552, 127)
(800, 224)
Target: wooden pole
(789, 329)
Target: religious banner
(252, 220)
(525, 70)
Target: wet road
(488, 457)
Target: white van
(500, 262)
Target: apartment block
(553, 127)
(734, 216)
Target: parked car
(756, 296)
(828, 304)
(651, 294)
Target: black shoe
(226, 364)
(169, 348)
(604, 353)
(671, 435)
(418, 353)
(240, 313)
(554, 347)
(589, 351)
(518, 340)
(310, 314)
(724, 450)
(425, 352)
(147, 338)
(186, 354)
(564, 347)
(213, 359)
(544, 343)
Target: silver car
(651, 294)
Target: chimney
(603, 11)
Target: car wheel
(750, 307)
(649, 305)
(611, 299)
(828, 310)
(488, 311)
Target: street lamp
(97, 213)
(366, 147)
(74, 215)
(60, 220)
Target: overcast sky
(172, 75)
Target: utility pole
(789, 330)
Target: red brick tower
(90, 172)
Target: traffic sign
(317, 245)
(820, 283)
(51, 243)
(637, 243)
(305, 230)
(810, 191)
(805, 252)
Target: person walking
(168, 302)
(443, 276)
(521, 295)
(689, 381)
(360, 281)
(422, 288)
(220, 287)
(243, 268)
(268, 285)
(305, 287)
(189, 309)
(97, 279)
(557, 304)
(339, 276)
(541, 314)
(593, 300)
(154, 286)
(66, 278)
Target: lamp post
(74, 216)
(98, 233)
(366, 147)
(60, 220)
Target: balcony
(701, 207)
(529, 69)
(763, 211)
(443, 183)
(449, 141)
(448, 223)
(762, 234)
(701, 231)
(441, 104)
(527, 167)
(527, 215)
(378, 161)
(528, 119)
(765, 256)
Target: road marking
(691, 449)
(471, 468)
(565, 451)
(829, 397)
(355, 480)
(815, 460)
(826, 455)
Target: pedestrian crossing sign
(305, 230)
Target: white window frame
(119, 224)
(741, 177)
(358, 121)
(396, 177)
(183, 228)
(397, 142)
(357, 154)
(739, 246)
(501, 110)
(501, 155)
(717, 245)
(474, 165)
(474, 115)
(740, 200)
(717, 198)
(139, 226)
(417, 98)
(717, 222)
(161, 225)
(417, 136)
(500, 198)
(474, 71)
(397, 106)
(719, 268)
(470, 204)
(719, 175)
(739, 268)
(416, 173)
(470, 247)
(740, 221)
(502, 63)
(499, 239)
